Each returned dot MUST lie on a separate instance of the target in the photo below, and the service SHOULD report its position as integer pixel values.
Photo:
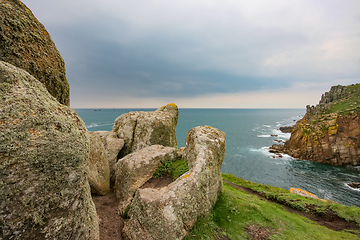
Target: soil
(258, 232)
(329, 220)
(110, 222)
(160, 182)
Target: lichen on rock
(168, 212)
(25, 43)
(137, 168)
(44, 150)
(330, 131)
(141, 129)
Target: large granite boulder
(99, 170)
(168, 212)
(44, 150)
(112, 145)
(104, 148)
(137, 168)
(142, 129)
(25, 43)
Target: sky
(203, 53)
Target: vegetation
(174, 168)
(347, 105)
(240, 215)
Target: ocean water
(249, 134)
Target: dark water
(248, 136)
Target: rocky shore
(330, 131)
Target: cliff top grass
(342, 100)
(240, 215)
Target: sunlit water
(249, 133)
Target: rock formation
(168, 213)
(25, 43)
(137, 168)
(104, 149)
(142, 129)
(329, 132)
(99, 169)
(112, 145)
(44, 149)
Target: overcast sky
(204, 53)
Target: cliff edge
(330, 131)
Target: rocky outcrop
(286, 129)
(142, 129)
(137, 168)
(44, 150)
(112, 145)
(329, 132)
(168, 212)
(25, 43)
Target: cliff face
(330, 131)
(25, 43)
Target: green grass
(236, 210)
(347, 105)
(175, 168)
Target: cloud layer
(200, 53)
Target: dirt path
(110, 222)
(329, 220)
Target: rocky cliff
(330, 131)
(25, 43)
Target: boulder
(44, 150)
(286, 129)
(355, 185)
(104, 150)
(99, 170)
(168, 212)
(142, 129)
(137, 168)
(25, 43)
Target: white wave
(354, 189)
(93, 125)
(238, 155)
(268, 126)
(263, 136)
(280, 134)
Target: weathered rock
(334, 141)
(168, 213)
(44, 150)
(137, 168)
(330, 131)
(112, 146)
(25, 43)
(355, 185)
(142, 129)
(303, 193)
(99, 170)
(286, 129)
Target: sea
(249, 134)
